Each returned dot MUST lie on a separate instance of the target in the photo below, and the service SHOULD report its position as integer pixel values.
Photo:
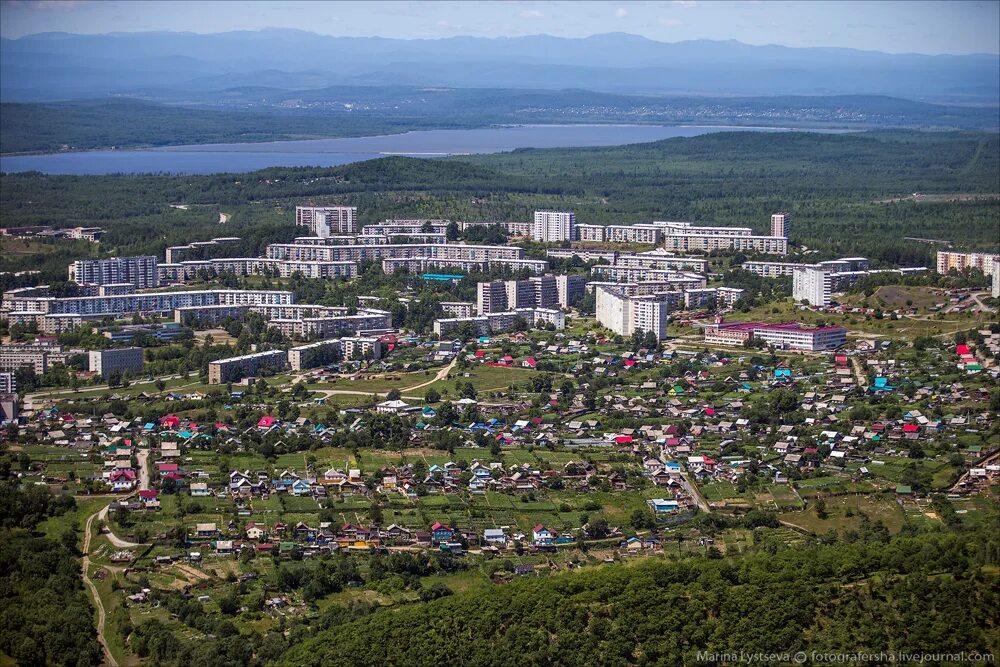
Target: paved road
(110, 659)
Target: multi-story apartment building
(569, 289)
(235, 368)
(392, 228)
(591, 233)
(38, 358)
(638, 274)
(520, 294)
(625, 314)
(995, 285)
(811, 284)
(709, 242)
(329, 351)
(776, 269)
(721, 297)
(553, 226)
(947, 260)
(780, 224)
(491, 297)
(788, 335)
(459, 308)
(501, 322)
(116, 360)
(658, 259)
(691, 229)
(325, 221)
(587, 255)
(8, 383)
(139, 271)
(255, 266)
(634, 234)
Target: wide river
(216, 158)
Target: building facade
(116, 360)
(553, 226)
(140, 271)
(323, 221)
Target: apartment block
(569, 289)
(946, 261)
(625, 314)
(501, 322)
(995, 285)
(8, 383)
(316, 354)
(491, 297)
(325, 221)
(591, 233)
(691, 229)
(788, 335)
(140, 271)
(640, 274)
(708, 242)
(459, 308)
(811, 283)
(235, 368)
(38, 358)
(634, 234)
(585, 254)
(116, 360)
(553, 226)
(520, 294)
(780, 224)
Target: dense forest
(836, 187)
(925, 593)
(45, 614)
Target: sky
(894, 27)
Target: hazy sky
(896, 27)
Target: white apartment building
(326, 221)
(625, 314)
(140, 271)
(634, 234)
(590, 233)
(708, 242)
(116, 360)
(960, 261)
(995, 286)
(788, 335)
(691, 229)
(458, 308)
(553, 226)
(234, 368)
(811, 283)
(780, 224)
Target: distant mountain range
(164, 65)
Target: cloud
(686, 4)
(532, 14)
(671, 22)
(621, 12)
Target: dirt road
(93, 589)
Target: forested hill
(927, 593)
(833, 185)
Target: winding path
(93, 589)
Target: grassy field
(844, 513)
(905, 327)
